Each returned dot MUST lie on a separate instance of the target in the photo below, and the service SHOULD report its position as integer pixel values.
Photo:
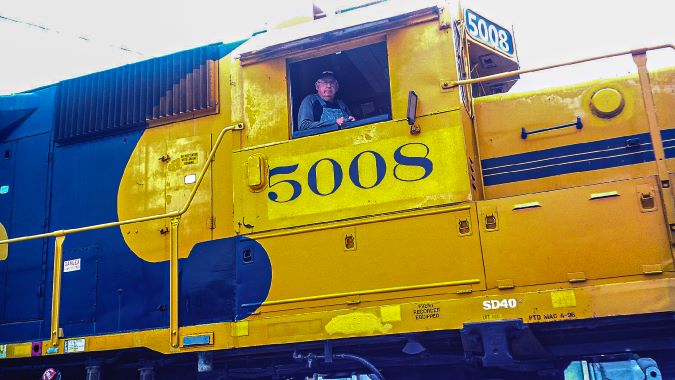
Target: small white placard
(74, 345)
(190, 178)
(3, 351)
(71, 265)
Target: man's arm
(306, 116)
(345, 109)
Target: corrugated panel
(158, 90)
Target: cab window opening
(363, 87)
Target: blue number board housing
(488, 33)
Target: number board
(488, 33)
(345, 175)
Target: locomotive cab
(372, 165)
(312, 190)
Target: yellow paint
(448, 181)
(390, 313)
(498, 129)
(173, 282)
(151, 185)
(563, 298)
(265, 95)
(356, 323)
(596, 299)
(257, 172)
(607, 102)
(20, 350)
(56, 332)
(4, 248)
(142, 192)
(557, 241)
(663, 90)
(446, 178)
(295, 329)
(418, 60)
(443, 261)
(240, 328)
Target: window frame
(323, 51)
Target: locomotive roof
(374, 18)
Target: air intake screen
(170, 88)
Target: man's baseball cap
(327, 74)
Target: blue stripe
(670, 152)
(668, 134)
(668, 137)
(643, 147)
(583, 166)
(603, 154)
(562, 151)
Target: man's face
(327, 88)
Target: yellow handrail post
(640, 59)
(173, 302)
(56, 288)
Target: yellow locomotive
(173, 212)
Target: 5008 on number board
(488, 33)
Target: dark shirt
(311, 110)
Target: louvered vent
(170, 88)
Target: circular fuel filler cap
(607, 103)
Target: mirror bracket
(412, 113)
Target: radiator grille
(169, 88)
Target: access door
(23, 184)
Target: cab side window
(363, 79)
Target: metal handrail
(541, 68)
(171, 214)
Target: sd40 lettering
(508, 303)
(404, 156)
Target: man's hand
(341, 120)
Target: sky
(45, 41)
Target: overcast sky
(46, 41)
